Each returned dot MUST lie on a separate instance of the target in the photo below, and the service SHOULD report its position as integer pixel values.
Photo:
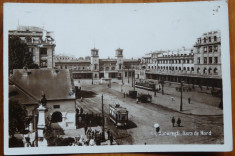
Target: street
(194, 129)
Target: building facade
(200, 65)
(40, 42)
(93, 67)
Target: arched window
(166, 68)
(204, 71)
(204, 40)
(56, 117)
(188, 69)
(215, 71)
(179, 68)
(184, 68)
(176, 68)
(172, 68)
(209, 39)
(198, 70)
(192, 69)
(209, 71)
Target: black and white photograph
(104, 78)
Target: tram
(147, 85)
(118, 115)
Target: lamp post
(181, 96)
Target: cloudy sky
(136, 28)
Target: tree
(17, 117)
(19, 55)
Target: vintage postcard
(104, 78)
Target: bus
(118, 115)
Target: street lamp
(181, 101)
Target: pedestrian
(108, 132)
(189, 100)
(137, 100)
(111, 139)
(157, 129)
(178, 122)
(173, 121)
(81, 99)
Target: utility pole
(131, 77)
(181, 100)
(128, 75)
(134, 80)
(162, 82)
(92, 78)
(102, 99)
(36, 130)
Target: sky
(136, 28)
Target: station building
(94, 67)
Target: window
(210, 60)
(209, 39)
(30, 50)
(215, 71)
(188, 68)
(204, 40)
(56, 106)
(192, 69)
(210, 49)
(43, 51)
(215, 38)
(205, 49)
(215, 48)
(205, 59)
(215, 60)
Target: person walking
(111, 139)
(178, 122)
(189, 100)
(173, 121)
(137, 100)
(81, 99)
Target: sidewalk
(194, 108)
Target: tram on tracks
(147, 85)
(118, 115)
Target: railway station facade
(93, 67)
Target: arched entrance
(56, 117)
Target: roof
(55, 84)
(119, 108)
(18, 95)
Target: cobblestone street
(143, 116)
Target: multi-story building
(200, 65)
(40, 42)
(96, 68)
(207, 52)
